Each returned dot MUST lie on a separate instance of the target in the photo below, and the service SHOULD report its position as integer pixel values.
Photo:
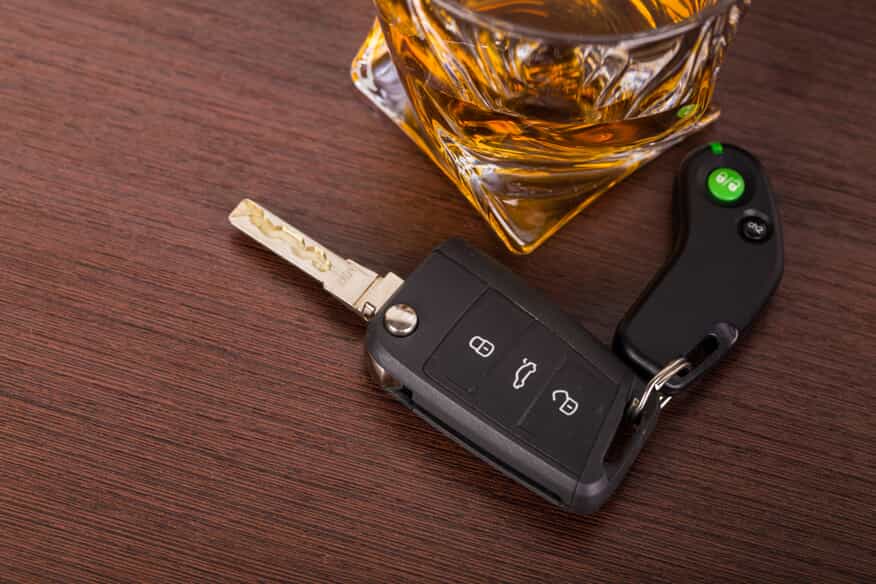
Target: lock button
(565, 419)
(726, 185)
(479, 341)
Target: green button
(726, 185)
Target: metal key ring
(658, 381)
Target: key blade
(286, 241)
(359, 288)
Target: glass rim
(653, 34)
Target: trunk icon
(523, 373)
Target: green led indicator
(726, 185)
(717, 148)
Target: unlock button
(566, 417)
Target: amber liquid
(585, 17)
(527, 114)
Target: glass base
(524, 203)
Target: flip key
(491, 363)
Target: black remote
(726, 263)
(496, 366)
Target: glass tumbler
(534, 108)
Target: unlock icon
(568, 406)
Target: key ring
(673, 368)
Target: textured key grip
(501, 370)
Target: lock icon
(568, 406)
(481, 346)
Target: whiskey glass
(534, 108)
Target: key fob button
(565, 419)
(521, 375)
(755, 227)
(480, 340)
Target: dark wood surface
(178, 405)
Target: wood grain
(178, 405)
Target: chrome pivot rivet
(400, 320)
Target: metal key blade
(359, 288)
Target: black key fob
(725, 265)
(498, 368)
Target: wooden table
(178, 405)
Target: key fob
(494, 365)
(725, 265)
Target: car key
(491, 363)
(466, 345)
